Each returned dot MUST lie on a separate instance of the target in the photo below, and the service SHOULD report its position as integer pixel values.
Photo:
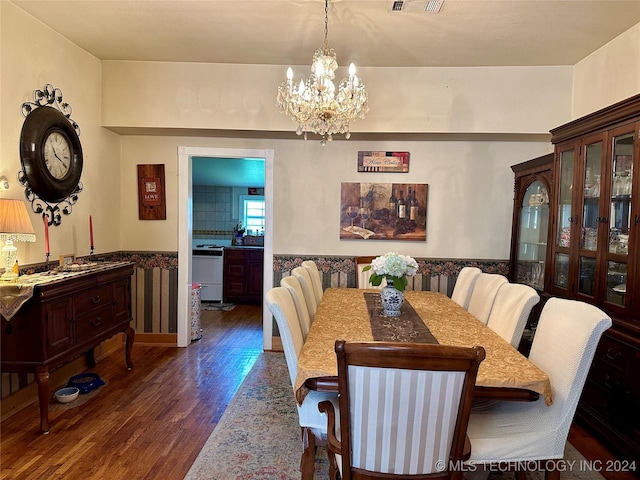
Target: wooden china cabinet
(594, 256)
(532, 195)
(533, 182)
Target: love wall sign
(152, 204)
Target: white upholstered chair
(402, 409)
(362, 277)
(312, 422)
(306, 283)
(511, 310)
(483, 295)
(464, 285)
(566, 338)
(292, 284)
(316, 278)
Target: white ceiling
(366, 32)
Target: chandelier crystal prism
(315, 104)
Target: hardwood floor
(151, 422)
(148, 423)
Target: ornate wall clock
(50, 154)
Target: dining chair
(402, 409)
(511, 310)
(313, 423)
(564, 345)
(483, 295)
(316, 278)
(362, 277)
(464, 285)
(292, 284)
(303, 276)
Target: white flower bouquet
(395, 268)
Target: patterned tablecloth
(343, 314)
(14, 294)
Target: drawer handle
(96, 322)
(95, 299)
(611, 355)
(609, 384)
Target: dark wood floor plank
(151, 422)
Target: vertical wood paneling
(164, 301)
(148, 301)
(156, 288)
(134, 298)
(140, 300)
(173, 300)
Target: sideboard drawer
(94, 298)
(94, 322)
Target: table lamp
(15, 226)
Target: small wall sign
(383, 162)
(151, 193)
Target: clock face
(57, 155)
(51, 154)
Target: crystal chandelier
(315, 105)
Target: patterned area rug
(258, 436)
(217, 306)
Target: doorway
(185, 230)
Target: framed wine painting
(383, 211)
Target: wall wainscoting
(437, 275)
(154, 289)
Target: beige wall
(470, 182)
(469, 204)
(608, 75)
(242, 97)
(32, 56)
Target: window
(252, 213)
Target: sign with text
(383, 162)
(151, 193)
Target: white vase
(392, 299)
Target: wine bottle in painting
(413, 206)
(393, 202)
(402, 208)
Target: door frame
(185, 232)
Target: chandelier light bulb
(317, 106)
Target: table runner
(408, 327)
(13, 295)
(343, 314)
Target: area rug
(258, 436)
(217, 306)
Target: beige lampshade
(15, 223)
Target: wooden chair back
(403, 409)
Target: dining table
(355, 315)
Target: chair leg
(307, 462)
(552, 473)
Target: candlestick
(91, 232)
(45, 219)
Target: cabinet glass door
(532, 236)
(590, 219)
(564, 219)
(591, 197)
(619, 218)
(563, 234)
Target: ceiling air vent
(417, 6)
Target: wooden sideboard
(64, 319)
